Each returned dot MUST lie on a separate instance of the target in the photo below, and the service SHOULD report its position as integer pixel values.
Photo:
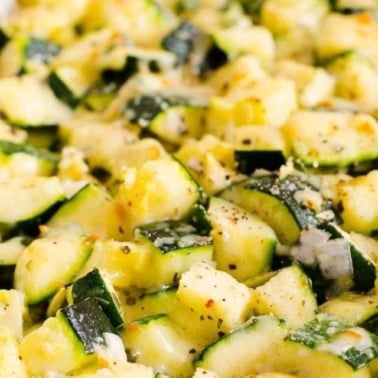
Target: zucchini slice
(96, 285)
(287, 204)
(243, 244)
(352, 307)
(302, 361)
(193, 46)
(210, 303)
(24, 159)
(287, 295)
(156, 341)
(176, 247)
(355, 345)
(29, 102)
(233, 355)
(53, 346)
(160, 189)
(29, 200)
(51, 261)
(91, 199)
(88, 321)
(335, 139)
(170, 118)
(67, 341)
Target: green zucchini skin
(250, 160)
(174, 246)
(94, 285)
(327, 333)
(4, 38)
(118, 77)
(47, 160)
(62, 90)
(276, 201)
(40, 49)
(185, 39)
(170, 236)
(351, 7)
(231, 355)
(89, 322)
(143, 108)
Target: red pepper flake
(210, 303)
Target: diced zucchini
(138, 306)
(122, 62)
(89, 207)
(176, 246)
(53, 346)
(304, 362)
(24, 159)
(181, 41)
(287, 295)
(89, 322)
(28, 199)
(287, 204)
(161, 189)
(356, 79)
(26, 54)
(233, 355)
(268, 101)
(27, 101)
(339, 33)
(11, 365)
(352, 307)
(355, 345)
(96, 285)
(171, 119)
(356, 202)
(51, 261)
(156, 341)
(193, 46)
(243, 243)
(332, 138)
(364, 260)
(259, 146)
(210, 303)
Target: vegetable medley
(189, 189)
